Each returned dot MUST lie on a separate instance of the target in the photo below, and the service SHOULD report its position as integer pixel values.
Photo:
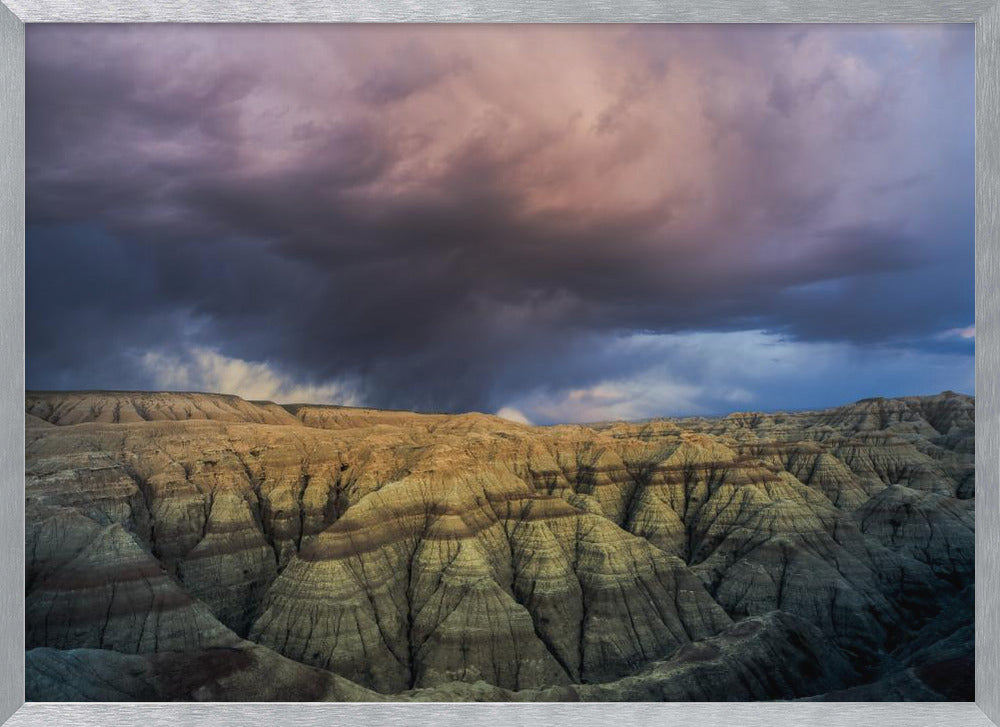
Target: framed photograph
(541, 363)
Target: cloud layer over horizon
(560, 223)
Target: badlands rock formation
(199, 546)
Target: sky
(552, 223)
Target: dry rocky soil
(185, 546)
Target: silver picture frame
(985, 14)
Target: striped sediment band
(355, 534)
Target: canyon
(190, 546)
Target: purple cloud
(442, 214)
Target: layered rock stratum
(203, 547)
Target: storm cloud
(567, 223)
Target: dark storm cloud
(451, 218)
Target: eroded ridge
(214, 548)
